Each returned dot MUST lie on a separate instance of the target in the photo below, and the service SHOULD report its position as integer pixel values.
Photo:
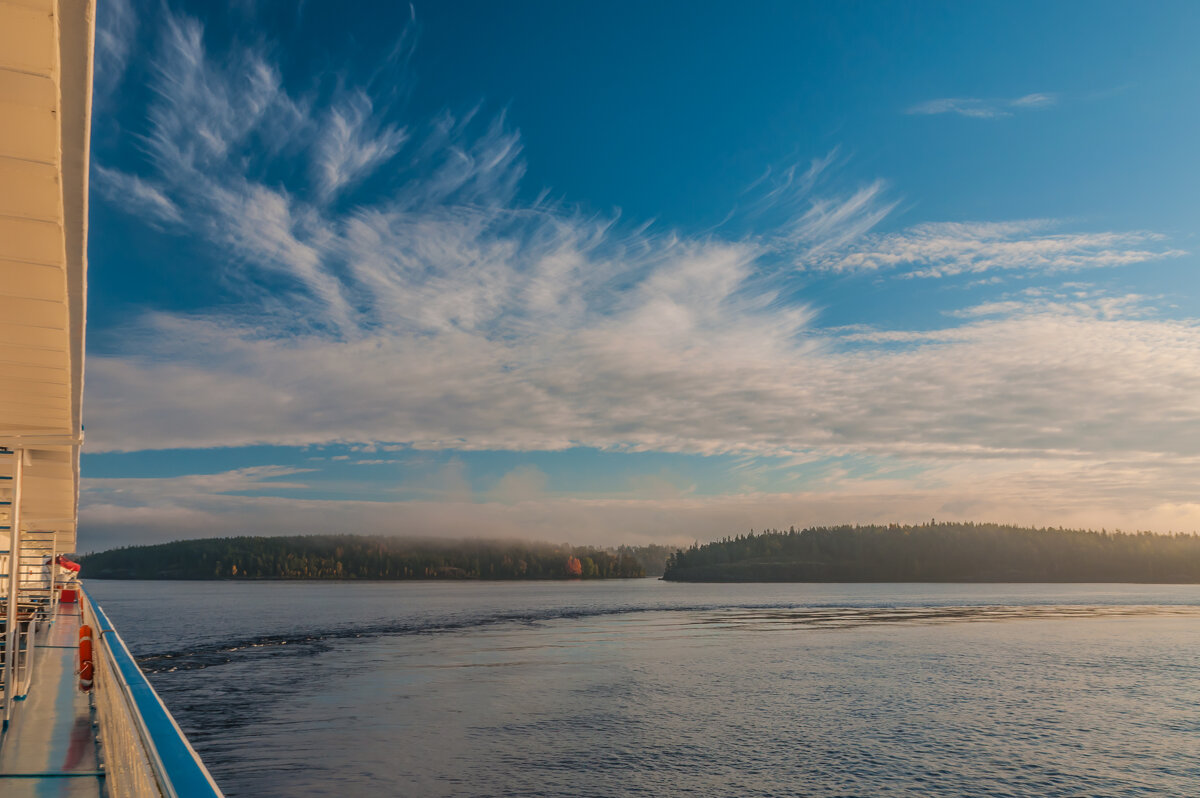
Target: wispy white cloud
(979, 108)
(352, 144)
(800, 219)
(167, 491)
(116, 28)
(952, 248)
(135, 195)
(1036, 100)
(1068, 300)
(831, 224)
(206, 109)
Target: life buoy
(85, 658)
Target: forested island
(362, 557)
(933, 552)
(941, 552)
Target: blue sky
(627, 272)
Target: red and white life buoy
(85, 658)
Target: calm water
(647, 688)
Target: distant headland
(941, 552)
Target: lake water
(643, 687)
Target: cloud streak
(948, 249)
(136, 196)
(978, 108)
(116, 28)
(353, 144)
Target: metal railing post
(27, 660)
(12, 622)
(53, 608)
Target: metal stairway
(33, 570)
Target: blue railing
(177, 767)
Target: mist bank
(369, 557)
(941, 552)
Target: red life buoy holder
(85, 658)
(62, 561)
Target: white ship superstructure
(63, 732)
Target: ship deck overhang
(45, 104)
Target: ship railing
(144, 751)
(26, 652)
(30, 616)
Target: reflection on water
(648, 688)
(839, 618)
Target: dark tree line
(945, 552)
(360, 557)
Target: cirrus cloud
(943, 249)
(977, 108)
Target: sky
(632, 272)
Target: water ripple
(744, 616)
